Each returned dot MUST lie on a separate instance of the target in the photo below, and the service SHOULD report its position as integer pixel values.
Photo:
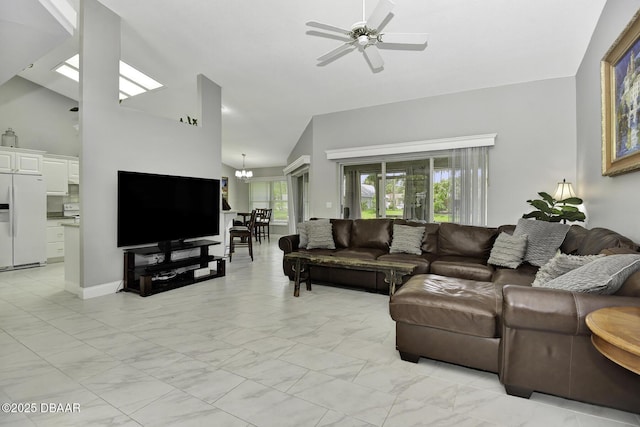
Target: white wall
(116, 138)
(535, 147)
(39, 116)
(611, 202)
(238, 190)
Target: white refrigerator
(23, 220)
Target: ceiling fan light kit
(366, 35)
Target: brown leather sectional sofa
(459, 309)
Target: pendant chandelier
(244, 174)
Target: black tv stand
(148, 279)
(175, 245)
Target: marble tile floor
(238, 351)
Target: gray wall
(535, 147)
(39, 116)
(304, 145)
(275, 171)
(117, 138)
(611, 202)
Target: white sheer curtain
(469, 169)
(352, 193)
(415, 190)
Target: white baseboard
(93, 291)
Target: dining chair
(260, 213)
(245, 234)
(262, 224)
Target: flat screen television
(165, 208)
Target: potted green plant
(552, 210)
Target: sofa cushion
(360, 253)
(561, 264)
(603, 276)
(573, 239)
(371, 233)
(523, 275)
(544, 239)
(463, 268)
(631, 286)
(598, 239)
(318, 251)
(508, 250)
(406, 239)
(430, 238)
(466, 240)
(341, 232)
(508, 228)
(422, 262)
(456, 305)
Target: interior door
(302, 197)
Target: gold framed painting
(620, 84)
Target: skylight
(132, 82)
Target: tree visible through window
(446, 187)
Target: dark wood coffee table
(616, 334)
(393, 270)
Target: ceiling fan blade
(332, 36)
(337, 51)
(381, 11)
(404, 38)
(328, 27)
(373, 56)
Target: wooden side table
(616, 334)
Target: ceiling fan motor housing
(362, 34)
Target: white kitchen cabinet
(74, 171)
(28, 163)
(55, 239)
(55, 171)
(15, 160)
(7, 159)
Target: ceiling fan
(366, 36)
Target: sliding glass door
(432, 189)
(388, 190)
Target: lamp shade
(564, 190)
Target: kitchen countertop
(55, 215)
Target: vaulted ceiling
(263, 57)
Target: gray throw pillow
(406, 239)
(320, 235)
(304, 237)
(561, 264)
(544, 239)
(303, 233)
(508, 251)
(603, 276)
